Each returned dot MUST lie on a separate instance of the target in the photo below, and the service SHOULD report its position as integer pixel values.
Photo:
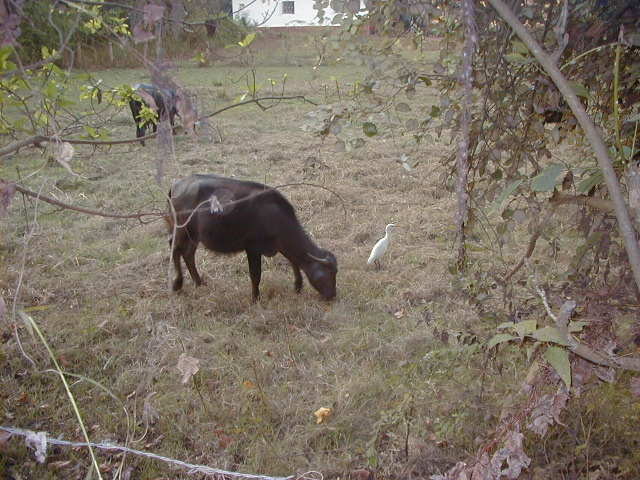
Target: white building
(281, 13)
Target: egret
(381, 246)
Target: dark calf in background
(162, 100)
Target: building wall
(259, 10)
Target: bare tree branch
(66, 206)
(257, 101)
(33, 66)
(462, 161)
(601, 204)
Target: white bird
(381, 246)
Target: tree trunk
(462, 161)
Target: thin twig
(258, 100)
(543, 296)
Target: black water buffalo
(162, 100)
(228, 216)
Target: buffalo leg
(136, 107)
(189, 255)
(255, 271)
(175, 255)
(298, 277)
(140, 131)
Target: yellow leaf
(248, 384)
(322, 414)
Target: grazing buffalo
(228, 216)
(162, 100)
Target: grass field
(391, 356)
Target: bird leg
(378, 266)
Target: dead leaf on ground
(188, 367)
(322, 414)
(248, 384)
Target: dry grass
(99, 289)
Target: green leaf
(497, 204)
(435, 111)
(246, 41)
(558, 358)
(425, 80)
(580, 89)
(518, 59)
(369, 129)
(5, 53)
(500, 338)
(505, 325)
(50, 90)
(91, 132)
(525, 328)
(520, 47)
(577, 326)
(548, 178)
(550, 334)
(591, 181)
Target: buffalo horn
(317, 259)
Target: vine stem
(592, 134)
